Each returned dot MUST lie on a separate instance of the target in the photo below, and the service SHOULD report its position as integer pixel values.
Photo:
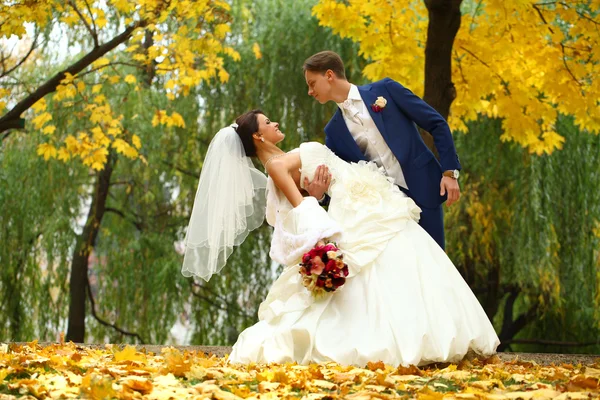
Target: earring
(262, 139)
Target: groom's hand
(450, 185)
(320, 182)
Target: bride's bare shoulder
(289, 162)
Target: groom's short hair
(323, 61)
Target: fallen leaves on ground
(66, 370)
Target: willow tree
(521, 73)
(526, 237)
(178, 44)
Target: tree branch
(51, 85)
(542, 17)
(88, 27)
(93, 309)
(564, 57)
(487, 65)
(33, 46)
(511, 327)
(87, 5)
(182, 170)
(579, 13)
(224, 306)
(474, 15)
(139, 226)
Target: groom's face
(319, 85)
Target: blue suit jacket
(396, 123)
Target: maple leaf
(129, 353)
(97, 387)
(47, 151)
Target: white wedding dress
(403, 303)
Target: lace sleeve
(299, 230)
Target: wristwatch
(453, 173)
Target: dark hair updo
(247, 126)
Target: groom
(376, 122)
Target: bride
(403, 302)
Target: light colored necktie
(351, 111)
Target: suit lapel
(343, 137)
(369, 98)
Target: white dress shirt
(367, 136)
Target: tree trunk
(444, 21)
(510, 326)
(83, 248)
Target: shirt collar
(353, 95)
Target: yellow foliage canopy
(182, 41)
(520, 60)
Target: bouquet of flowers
(323, 269)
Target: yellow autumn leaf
(170, 84)
(49, 130)
(123, 6)
(47, 151)
(221, 30)
(223, 76)
(41, 119)
(39, 105)
(71, 143)
(230, 51)
(130, 79)
(63, 154)
(70, 19)
(256, 50)
(130, 152)
(135, 139)
(159, 118)
(101, 62)
(120, 145)
(177, 120)
(101, 22)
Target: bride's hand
(320, 182)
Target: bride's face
(269, 130)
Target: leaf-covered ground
(69, 371)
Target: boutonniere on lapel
(379, 104)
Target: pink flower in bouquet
(317, 266)
(329, 247)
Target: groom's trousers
(432, 220)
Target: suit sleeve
(427, 118)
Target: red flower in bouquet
(323, 269)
